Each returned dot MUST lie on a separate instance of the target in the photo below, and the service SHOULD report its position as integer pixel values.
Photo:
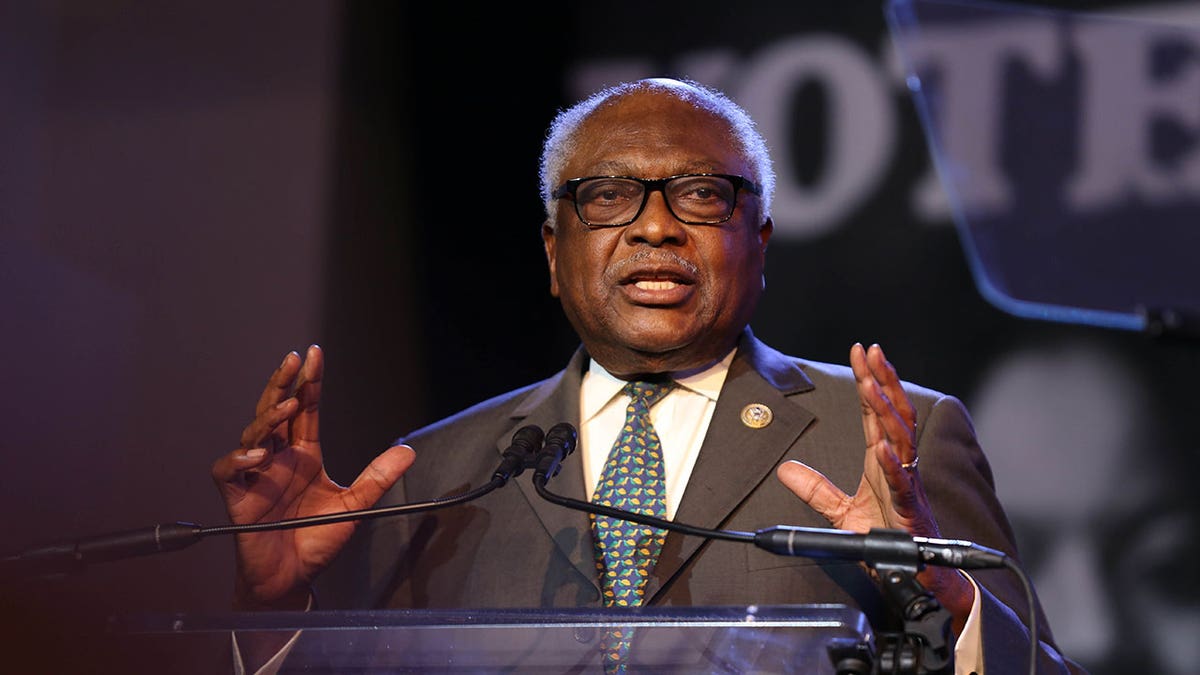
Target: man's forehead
(683, 140)
(654, 169)
(650, 104)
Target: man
(658, 217)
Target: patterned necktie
(632, 481)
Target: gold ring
(909, 466)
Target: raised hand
(277, 473)
(890, 493)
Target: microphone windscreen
(527, 440)
(562, 435)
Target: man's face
(657, 295)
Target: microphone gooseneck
(75, 555)
(560, 442)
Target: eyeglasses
(694, 198)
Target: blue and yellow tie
(632, 481)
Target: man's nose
(656, 225)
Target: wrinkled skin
(699, 284)
(278, 473)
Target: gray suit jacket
(512, 548)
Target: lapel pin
(756, 415)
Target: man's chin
(660, 343)
(657, 354)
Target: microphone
(520, 455)
(560, 442)
(878, 545)
(73, 556)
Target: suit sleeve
(962, 492)
(368, 573)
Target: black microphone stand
(923, 644)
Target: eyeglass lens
(692, 199)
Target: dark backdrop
(192, 189)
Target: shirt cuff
(968, 650)
(272, 666)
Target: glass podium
(808, 639)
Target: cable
(292, 523)
(1033, 613)
(539, 482)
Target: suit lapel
(736, 457)
(557, 400)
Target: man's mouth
(655, 284)
(656, 276)
(655, 279)
(658, 287)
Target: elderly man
(658, 217)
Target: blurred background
(188, 190)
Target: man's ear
(549, 241)
(764, 233)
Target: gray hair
(561, 139)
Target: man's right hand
(278, 473)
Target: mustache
(643, 258)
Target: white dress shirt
(680, 418)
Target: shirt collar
(600, 386)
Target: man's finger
(890, 422)
(899, 479)
(306, 427)
(229, 467)
(889, 382)
(257, 432)
(279, 385)
(888, 413)
(814, 489)
(379, 477)
(867, 392)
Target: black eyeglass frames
(694, 198)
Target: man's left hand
(890, 493)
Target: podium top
(760, 639)
(812, 617)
